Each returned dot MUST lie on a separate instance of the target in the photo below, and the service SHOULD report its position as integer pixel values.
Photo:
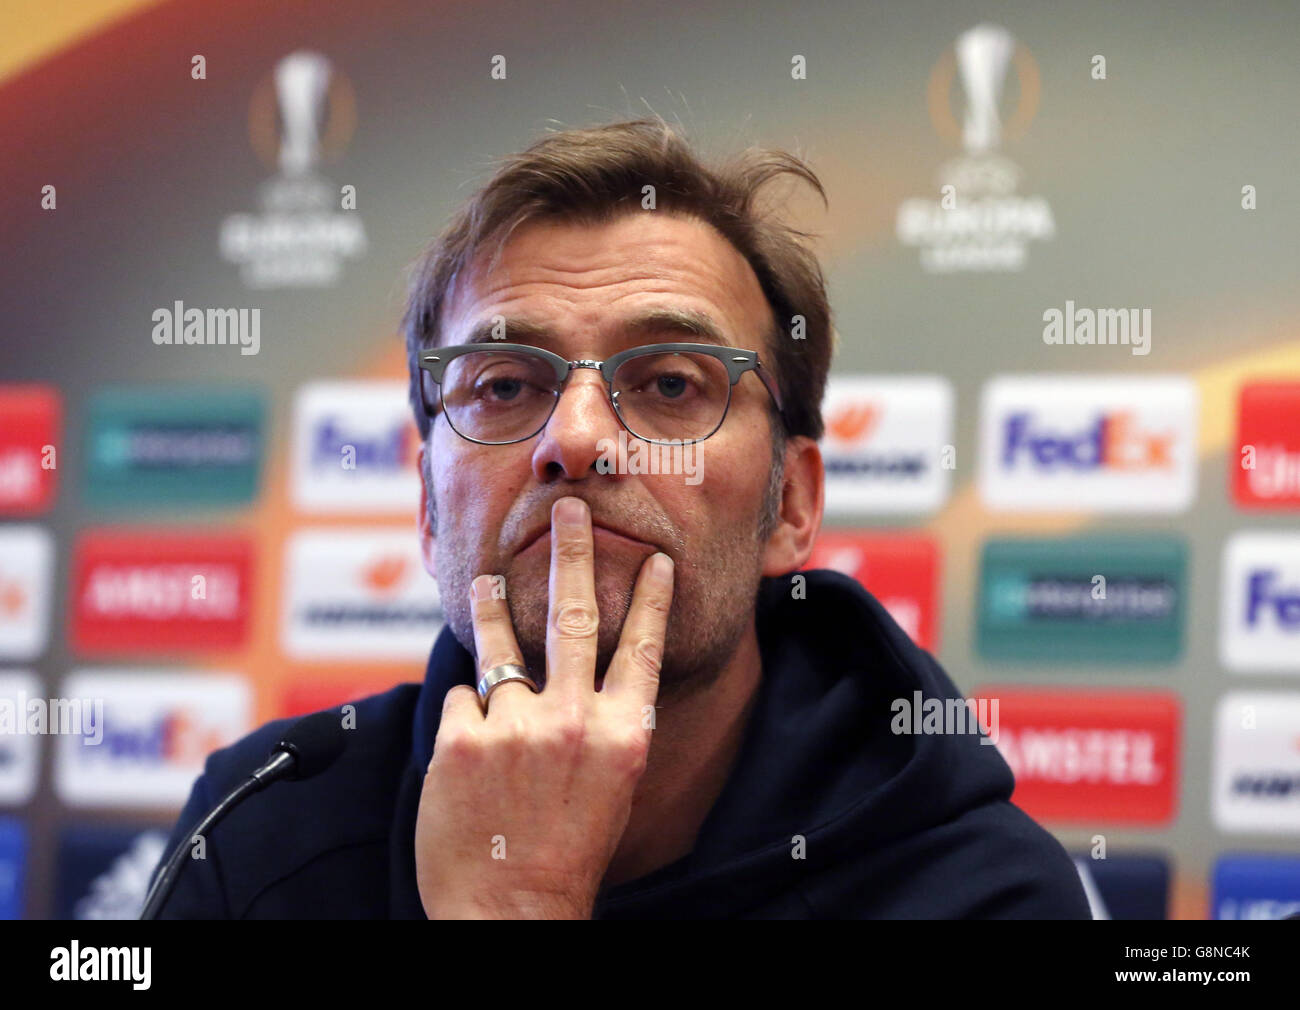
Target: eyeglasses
(496, 394)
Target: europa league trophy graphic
(982, 57)
(302, 81)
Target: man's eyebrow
(700, 326)
(686, 322)
(515, 331)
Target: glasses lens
(498, 396)
(673, 395)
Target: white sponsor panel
(353, 449)
(26, 567)
(885, 442)
(1106, 444)
(358, 594)
(1259, 628)
(1256, 784)
(158, 729)
(19, 751)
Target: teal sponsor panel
(164, 446)
(1085, 600)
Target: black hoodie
(827, 812)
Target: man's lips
(601, 534)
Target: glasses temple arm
(770, 383)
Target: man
(636, 710)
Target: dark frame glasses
(737, 362)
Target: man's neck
(694, 747)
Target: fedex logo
(1260, 621)
(354, 449)
(1282, 604)
(335, 444)
(1085, 756)
(1065, 442)
(1111, 441)
(179, 736)
(30, 422)
(158, 728)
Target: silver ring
(499, 675)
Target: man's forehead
(671, 277)
(642, 325)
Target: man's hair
(591, 176)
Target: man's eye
(671, 386)
(501, 389)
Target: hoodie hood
(819, 761)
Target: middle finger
(573, 619)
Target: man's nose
(575, 436)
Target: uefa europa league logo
(979, 222)
(302, 81)
(983, 54)
(301, 116)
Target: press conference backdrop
(1063, 426)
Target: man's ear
(800, 518)
(428, 541)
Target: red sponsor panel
(30, 422)
(136, 591)
(1084, 756)
(1265, 469)
(901, 571)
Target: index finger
(573, 619)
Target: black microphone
(307, 748)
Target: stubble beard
(714, 595)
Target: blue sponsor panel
(1127, 886)
(103, 870)
(13, 865)
(1252, 886)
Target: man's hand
(523, 809)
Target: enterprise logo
(1091, 599)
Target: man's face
(581, 285)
